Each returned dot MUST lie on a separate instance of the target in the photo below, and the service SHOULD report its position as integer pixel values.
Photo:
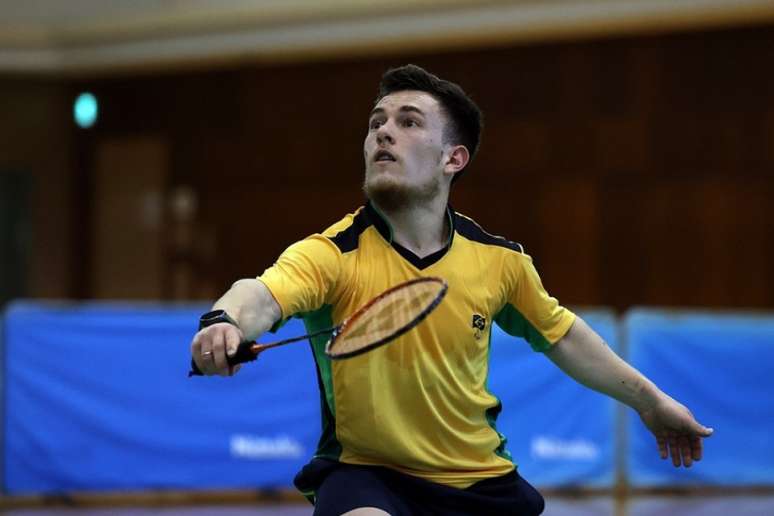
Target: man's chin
(389, 193)
(392, 194)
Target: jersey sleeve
(305, 276)
(529, 311)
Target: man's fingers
(678, 435)
(196, 351)
(696, 448)
(196, 346)
(205, 359)
(210, 346)
(662, 446)
(703, 431)
(685, 450)
(674, 449)
(219, 349)
(233, 338)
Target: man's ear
(458, 158)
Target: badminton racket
(380, 321)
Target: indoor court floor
(708, 505)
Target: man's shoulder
(346, 232)
(472, 230)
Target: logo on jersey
(479, 324)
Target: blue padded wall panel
(720, 366)
(97, 398)
(559, 432)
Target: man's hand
(250, 304)
(211, 345)
(677, 432)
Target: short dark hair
(465, 118)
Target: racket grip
(244, 353)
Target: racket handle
(244, 353)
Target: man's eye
(375, 124)
(410, 123)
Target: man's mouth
(383, 156)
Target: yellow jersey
(420, 404)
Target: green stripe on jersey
(514, 323)
(493, 412)
(328, 446)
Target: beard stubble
(391, 194)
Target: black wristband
(215, 317)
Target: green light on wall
(85, 110)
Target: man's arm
(583, 355)
(251, 305)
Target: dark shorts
(340, 487)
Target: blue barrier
(720, 366)
(559, 432)
(97, 398)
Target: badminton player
(409, 428)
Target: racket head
(386, 317)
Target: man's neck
(422, 229)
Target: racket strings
(388, 315)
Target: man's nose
(383, 135)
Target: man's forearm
(251, 305)
(583, 355)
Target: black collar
(381, 224)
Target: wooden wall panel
(35, 139)
(635, 171)
(128, 258)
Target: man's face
(404, 150)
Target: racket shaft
(249, 350)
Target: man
(408, 428)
